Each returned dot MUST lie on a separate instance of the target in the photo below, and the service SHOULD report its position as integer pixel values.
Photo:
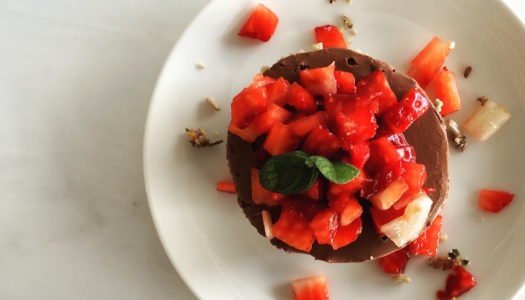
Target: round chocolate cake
(427, 135)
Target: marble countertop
(75, 82)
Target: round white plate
(216, 250)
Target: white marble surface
(75, 82)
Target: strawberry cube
(347, 207)
(344, 126)
(384, 199)
(415, 176)
(382, 154)
(351, 187)
(412, 106)
(345, 82)
(458, 283)
(316, 192)
(375, 87)
(301, 100)
(382, 179)
(428, 242)
(247, 133)
(260, 25)
(398, 140)
(280, 140)
(395, 263)
(407, 154)
(303, 125)
(345, 235)
(259, 80)
(319, 81)
(278, 92)
(261, 195)
(293, 228)
(226, 187)
(247, 105)
(313, 288)
(359, 153)
(406, 199)
(494, 201)
(426, 64)
(325, 225)
(447, 92)
(321, 142)
(265, 121)
(330, 36)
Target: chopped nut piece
(301, 51)
(401, 278)
(438, 104)
(448, 262)
(213, 103)
(264, 69)
(348, 24)
(467, 71)
(331, 1)
(443, 237)
(200, 65)
(455, 134)
(453, 254)
(452, 45)
(198, 138)
(482, 100)
(317, 46)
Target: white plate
(216, 250)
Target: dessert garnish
(311, 288)
(494, 201)
(261, 24)
(213, 103)
(447, 91)
(198, 138)
(486, 119)
(458, 283)
(467, 71)
(226, 187)
(459, 140)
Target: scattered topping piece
(213, 103)
(384, 199)
(448, 262)
(226, 187)
(198, 138)
(325, 225)
(494, 201)
(412, 106)
(259, 194)
(455, 135)
(200, 65)
(375, 88)
(280, 140)
(443, 237)
(345, 235)
(265, 121)
(348, 24)
(438, 105)
(249, 103)
(345, 82)
(467, 71)
(301, 99)
(429, 60)
(317, 46)
(303, 125)
(396, 262)
(330, 36)
(428, 242)
(267, 222)
(264, 69)
(261, 24)
(247, 134)
(278, 91)
(447, 91)
(313, 288)
(401, 278)
(458, 283)
(486, 119)
(319, 81)
(321, 142)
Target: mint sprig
(296, 172)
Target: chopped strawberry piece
(307, 208)
(365, 120)
(494, 201)
(405, 199)
(261, 24)
(316, 191)
(347, 234)
(305, 124)
(447, 91)
(344, 126)
(407, 154)
(330, 36)
(349, 188)
(382, 217)
(301, 99)
(428, 242)
(347, 207)
(248, 104)
(415, 175)
(280, 140)
(345, 82)
(396, 262)
(313, 288)
(428, 61)
(412, 106)
(333, 104)
(260, 80)
(375, 87)
(325, 225)
(359, 154)
(293, 228)
(261, 195)
(382, 154)
(265, 121)
(321, 142)
(319, 81)
(382, 179)
(458, 283)
(226, 187)
(398, 140)
(247, 134)
(278, 91)
(384, 199)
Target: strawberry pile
(328, 114)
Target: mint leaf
(289, 173)
(337, 172)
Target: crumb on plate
(213, 103)
(317, 46)
(198, 138)
(401, 278)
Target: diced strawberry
(301, 99)
(344, 126)
(382, 179)
(398, 140)
(412, 106)
(226, 187)
(325, 225)
(330, 36)
(321, 142)
(259, 194)
(428, 61)
(333, 104)
(280, 140)
(347, 234)
(261, 24)
(303, 125)
(307, 208)
(405, 199)
(428, 242)
(293, 228)
(247, 134)
(396, 262)
(382, 217)
(319, 81)
(458, 283)
(407, 154)
(278, 92)
(365, 120)
(259, 80)
(494, 201)
(248, 104)
(317, 191)
(447, 91)
(415, 176)
(345, 82)
(359, 154)
(375, 87)
(313, 288)
(347, 207)
(382, 154)
(265, 121)
(349, 188)
(384, 199)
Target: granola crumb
(301, 51)
(467, 71)
(317, 46)
(213, 103)
(443, 237)
(447, 262)
(198, 138)
(264, 69)
(358, 50)
(401, 278)
(452, 45)
(438, 104)
(371, 257)
(349, 1)
(200, 65)
(482, 100)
